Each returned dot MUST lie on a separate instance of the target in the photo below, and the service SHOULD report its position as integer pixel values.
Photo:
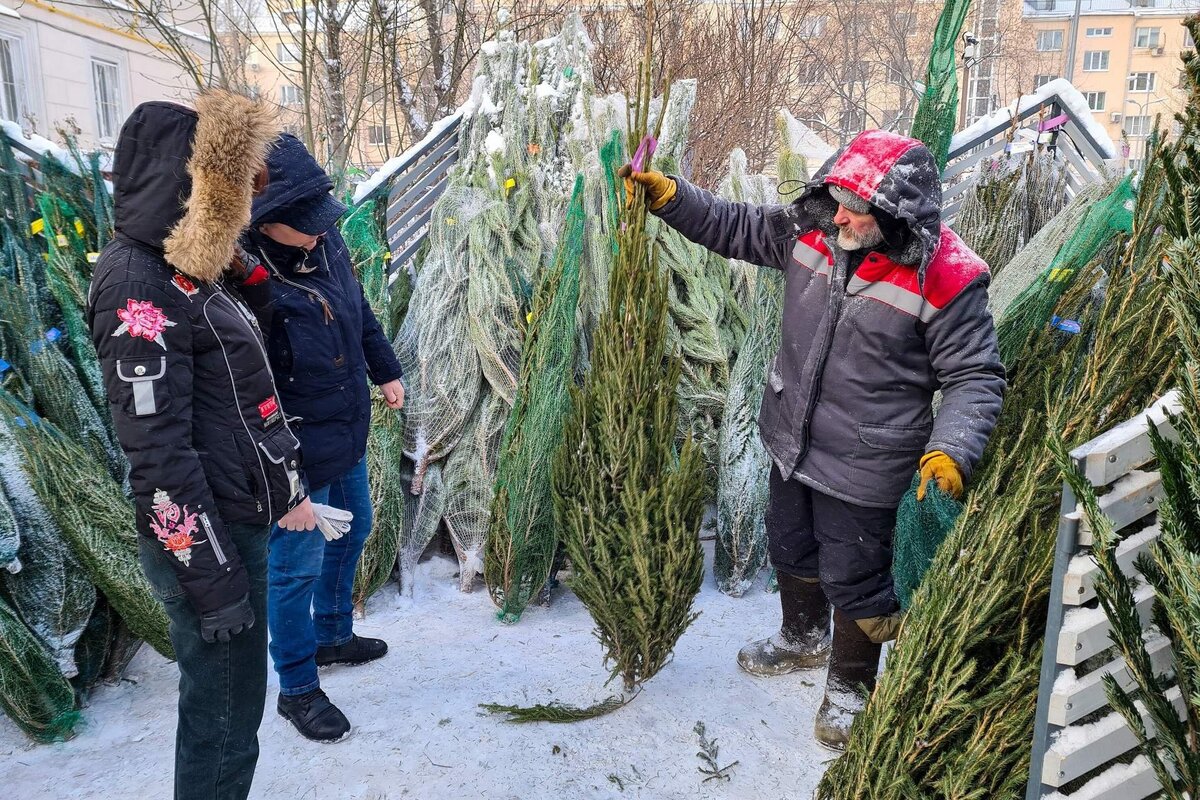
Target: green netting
(1034, 308)
(937, 113)
(33, 692)
(522, 538)
(94, 516)
(921, 527)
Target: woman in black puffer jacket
(213, 462)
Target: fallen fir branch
(557, 712)
(709, 753)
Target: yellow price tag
(93, 258)
(509, 185)
(61, 240)
(451, 221)
(37, 226)
(79, 227)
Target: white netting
(469, 474)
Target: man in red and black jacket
(883, 306)
(212, 460)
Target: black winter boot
(803, 638)
(314, 716)
(359, 650)
(853, 664)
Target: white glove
(333, 522)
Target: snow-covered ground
(418, 731)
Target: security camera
(970, 38)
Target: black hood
(294, 175)
(151, 182)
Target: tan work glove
(937, 466)
(659, 188)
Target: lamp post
(1141, 105)
(970, 57)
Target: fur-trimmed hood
(183, 178)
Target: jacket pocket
(893, 438)
(145, 391)
(281, 452)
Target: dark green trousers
(222, 687)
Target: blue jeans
(222, 685)
(310, 582)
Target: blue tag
(1066, 325)
(4, 365)
(36, 347)
(53, 335)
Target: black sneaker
(314, 716)
(359, 650)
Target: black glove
(227, 621)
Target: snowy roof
(806, 142)
(43, 146)
(365, 189)
(1061, 90)
(5, 11)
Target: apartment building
(1126, 59)
(83, 66)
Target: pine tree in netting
(1030, 261)
(698, 291)
(1012, 199)
(93, 515)
(604, 195)
(51, 592)
(33, 693)
(422, 513)
(10, 531)
(938, 111)
(744, 474)
(385, 441)
(441, 366)
(34, 351)
(522, 538)
(952, 713)
(469, 474)
(627, 502)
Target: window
(894, 74)
(1041, 80)
(1095, 61)
(857, 72)
(1143, 3)
(1137, 127)
(377, 135)
(106, 85)
(1147, 37)
(1095, 100)
(285, 54)
(1049, 41)
(811, 27)
(12, 79)
(1042, 5)
(853, 120)
(1142, 81)
(811, 72)
(289, 95)
(1135, 164)
(1098, 33)
(906, 23)
(1188, 42)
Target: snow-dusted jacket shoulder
(189, 387)
(867, 339)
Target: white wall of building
(54, 53)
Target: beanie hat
(849, 199)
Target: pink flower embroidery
(142, 319)
(174, 526)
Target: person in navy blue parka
(324, 345)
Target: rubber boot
(853, 664)
(803, 638)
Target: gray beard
(847, 240)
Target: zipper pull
(328, 313)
